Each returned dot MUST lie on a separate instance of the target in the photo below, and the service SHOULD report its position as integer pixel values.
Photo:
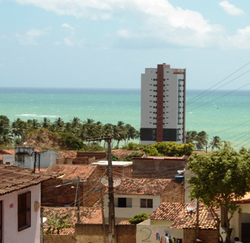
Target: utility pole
(111, 196)
(112, 238)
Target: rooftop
(143, 186)
(68, 172)
(167, 211)
(15, 178)
(88, 215)
(114, 163)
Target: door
(245, 232)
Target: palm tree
(216, 142)
(19, 128)
(45, 123)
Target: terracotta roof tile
(143, 186)
(167, 211)
(68, 172)
(187, 219)
(6, 152)
(13, 178)
(124, 222)
(68, 154)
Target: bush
(138, 218)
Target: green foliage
(114, 157)
(57, 224)
(131, 146)
(221, 178)
(169, 149)
(151, 150)
(129, 157)
(70, 141)
(138, 218)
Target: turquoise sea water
(222, 113)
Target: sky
(109, 43)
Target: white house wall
(130, 212)
(10, 220)
(146, 231)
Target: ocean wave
(35, 115)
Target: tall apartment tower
(163, 91)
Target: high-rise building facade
(163, 91)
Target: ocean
(219, 113)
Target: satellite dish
(181, 172)
(116, 181)
(191, 207)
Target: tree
(220, 179)
(57, 224)
(138, 218)
(201, 140)
(216, 142)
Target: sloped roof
(68, 172)
(15, 178)
(142, 186)
(68, 154)
(167, 211)
(88, 215)
(7, 152)
(188, 220)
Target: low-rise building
(135, 196)
(20, 199)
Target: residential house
(179, 221)
(158, 167)
(20, 199)
(134, 196)
(240, 223)
(62, 190)
(4, 153)
(28, 157)
(119, 168)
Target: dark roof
(15, 178)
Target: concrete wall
(10, 220)
(94, 233)
(207, 236)
(162, 168)
(146, 231)
(59, 239)
(47, 158)
(9, 159)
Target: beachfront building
(163, 91)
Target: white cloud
(242, 39)
(67, 26)
(157, 19)
(31, 37)
(231, 9)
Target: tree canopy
(220, 179)
(138, 218)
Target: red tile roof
(68, 154)
(167, 211)
(68, 172)
(144, 186)
(188, 220)
(88, 215)
(14, 178)
(11, 151)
